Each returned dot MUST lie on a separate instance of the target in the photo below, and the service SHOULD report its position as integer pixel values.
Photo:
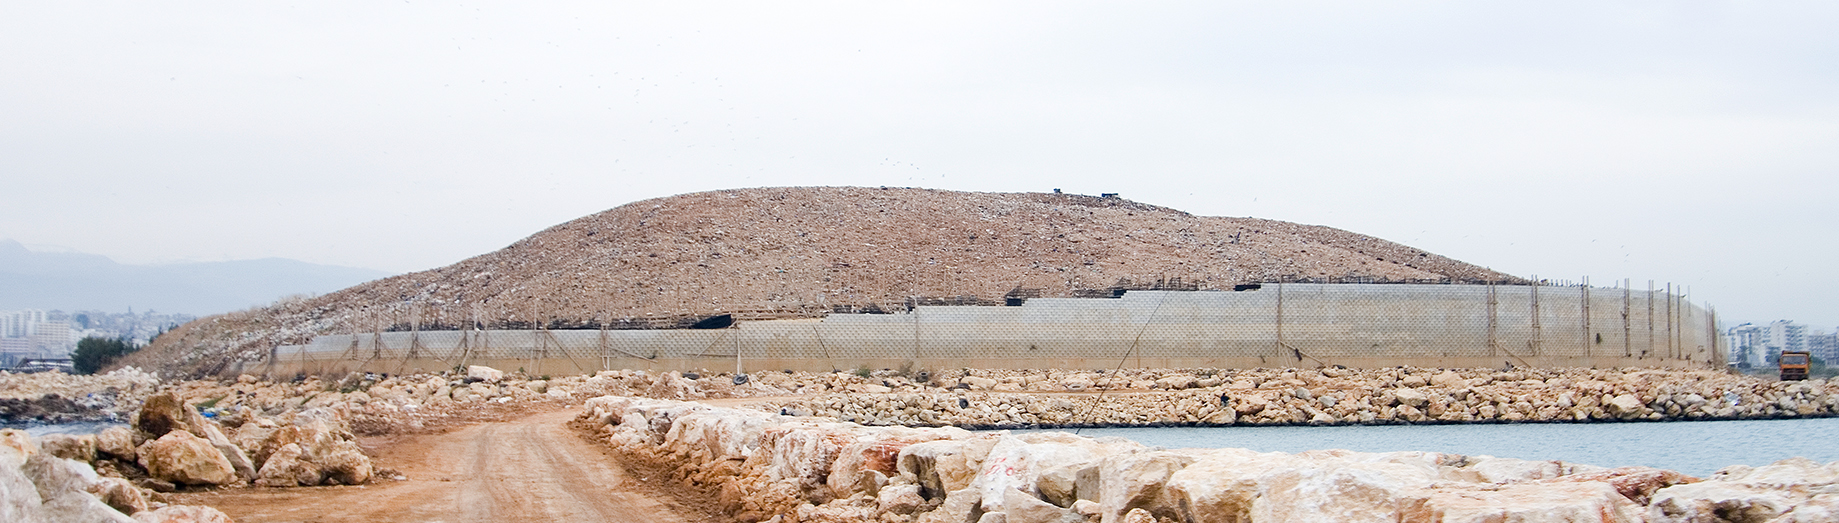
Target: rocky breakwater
(768, 467)
(55, 397)
(1329, 396)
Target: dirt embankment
(775, 252)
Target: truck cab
(1794, 365)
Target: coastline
(768, 467)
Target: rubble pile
(171, 445)
(767, 467)
(55, 397)
(805, 251)
(1147, 397)
(56, 478)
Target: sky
(1689, 142)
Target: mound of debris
(55, 397)
(808, 251)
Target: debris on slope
(808, 251)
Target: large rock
(864, 466)
(978, 382)
(1561, 502)
(1222, 484)
(183, 514)
(285, 469)
(801, 458)
(1638, 484)
(1343, 487)
(675, 386)
(484, 373)
(1489, 469)
(64, 487)
(181, 458)
(251, 435)
(346, 464)
(312, 433)
(899, 499)
(1795, 489)
(19, 500)
(1238, 485)
(119, 494)
(1136, 479)
(117, 443)
(1411, 397)
(162, 413)
(1064, 473)
(941, 467)
(68, 446)
(1626, 405)
(1448, 379)
(1019, 507)
(237, 458)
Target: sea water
(1693, 447)
(77, 428)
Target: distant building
(1746, 342)
(53, 338)
(1824, 346)
(1785, 335)
(14, 349)
(19, 334)
(20, 324)
(139, 328)
(1758, 345)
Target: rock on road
(529, 469)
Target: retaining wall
(1288, 325)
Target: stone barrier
(767, 467)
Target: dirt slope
(778, 252)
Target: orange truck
(1794, 365)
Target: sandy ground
(532, 468)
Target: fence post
(1650, 321)
(1670, 342)
(1585, 295)
(1538, 337)
(1627, 342)
(1280, 345)
(1493, 322)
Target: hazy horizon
(1685, 143)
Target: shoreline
(999, 399)
(851, 446)
(761, 466)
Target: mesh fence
(1277, 324)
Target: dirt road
(529, 469)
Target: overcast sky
(1681, 141)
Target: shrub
(93, 353)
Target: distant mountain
(68, 281)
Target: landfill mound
(808, 251)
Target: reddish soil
(532, 468)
